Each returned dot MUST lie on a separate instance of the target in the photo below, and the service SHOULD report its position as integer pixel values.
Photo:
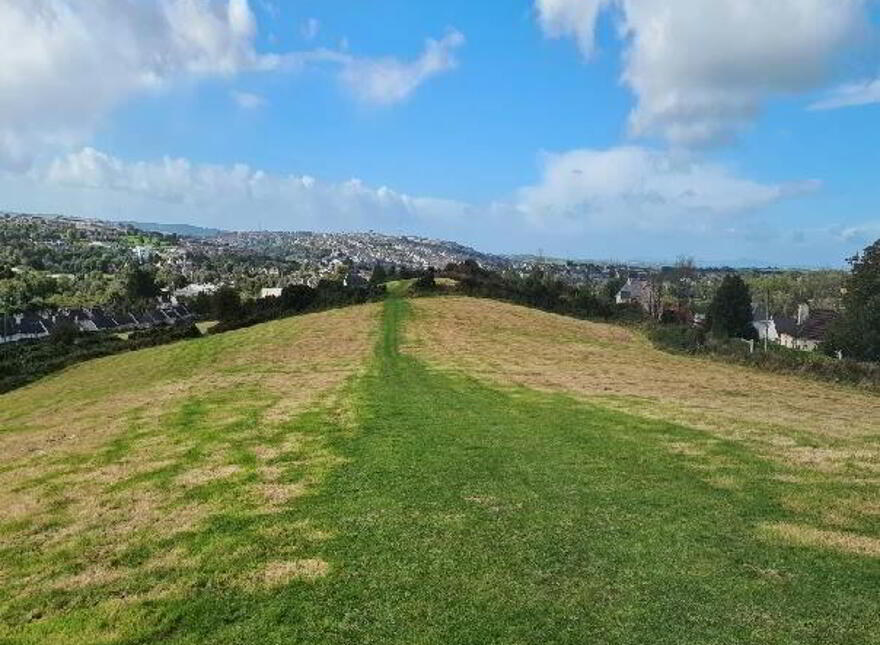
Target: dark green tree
(611, 288)
(730, 313)
(140, 284)
(64, 333)
(379, 275)
(297, 297)
(227, 304)
(426, 282)
(857, 332)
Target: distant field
(441, 470)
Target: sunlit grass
(410, 504)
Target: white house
(272, 292)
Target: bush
(64, 333)
(27, 361)
(690, 340)
(299, 299)
(680, 338)
(539, 292)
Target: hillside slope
(486, 473)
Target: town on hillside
(56, 269)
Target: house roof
(816, 326)
(785, 325)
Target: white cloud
(66, 64)
(618, 189)
(702, 70)
(310, 29)
(849, 95)
(561, 18)
(637, 188)
(383, 81)
(629, 202)
(248, 100)
(229, 192)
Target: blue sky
(628, 129)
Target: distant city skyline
(738, 132)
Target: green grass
(453, 512)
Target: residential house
(808, 330)
(271, 292)
(637, 291)
(36, 325)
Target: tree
(611, 288)
(426, 282)
(202, 304)
(140, 285)
(64, 333)
(297, 297)
(730, 313)
(379, 275)
(857, 332)
(227, 304)
(682, 282)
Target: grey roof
(816, 326)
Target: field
(436, 470)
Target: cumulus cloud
(702, 70)
(850, 95)
(627, 202)
(635, 187)
(561, 18)
(617, 189)
(383, 81)
(299, 201)
(66, 64)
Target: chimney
(803, 313)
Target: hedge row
(27, 361)
(778, 359)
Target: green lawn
(442, 510)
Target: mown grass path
(467, 514)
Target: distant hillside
(363, 249)
(176, 229)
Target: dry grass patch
(199, 476)
(133, 452)
(91, 577)
(276, 495)
(800, 535)
(621, 370)
(277, 574)
(816, 432)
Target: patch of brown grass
(91, 577)
(809, 536)
(277, 495)
(816, 432)
(620, 369)
(199, 476)
(277, 574)
(93, 461)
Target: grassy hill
(441, 470)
